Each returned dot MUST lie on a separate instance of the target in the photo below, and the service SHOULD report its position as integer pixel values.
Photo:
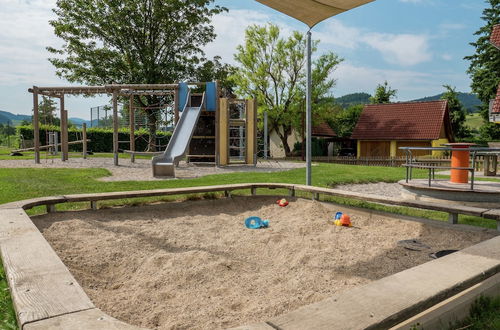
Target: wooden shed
(383, 128)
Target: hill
(470, 101)
(12, 119)
(353, 99)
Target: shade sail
(311, 12)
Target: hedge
(101, 139)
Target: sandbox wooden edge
(46, 295)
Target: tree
(484, 68)
(132, 41)
(383, 94)
(345, 120)
(215, 70)
(272, 70)
(47, 111)
(457, 112)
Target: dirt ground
(141, 169)
(194, 265)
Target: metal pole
(308, 111)
(265, 135)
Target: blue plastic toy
(256, 223)
(338, 215)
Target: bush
(319, 147)
(101, 139)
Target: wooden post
(84, 137)
(176, 105)
(251, 133)
(64, 130)
(115, 127)
(36, 125)
(224, 132)
(132, 125)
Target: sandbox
(194, 264)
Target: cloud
(400, 49)
(410, 84)
(25, 32)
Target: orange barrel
(460, 158)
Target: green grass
(484, 315)
(474, 121)
(20, 183)
(7, 314)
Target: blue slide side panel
(211, 96)
(183, 93)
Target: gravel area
(194, 265)
(379, 188)
(141, 169)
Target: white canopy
(311, 12)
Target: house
(383, 128)
(495, 104)
(276, 149)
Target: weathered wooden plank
(41, 286)
(450, 208)
(30, 203)
(92, 319)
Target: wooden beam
(36, 125)
(115, 127)
(176, 106)
(223, 132)
(84, 138)
(132, 122)
(251, 131)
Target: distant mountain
(353, 99)
(15, 120)
(79, 122)
(469, 101)
(12, 119)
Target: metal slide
(164, 165)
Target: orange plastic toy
(282, 202)
(344, 220)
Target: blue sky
(416, 45)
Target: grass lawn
(474, 121)
(18, 184)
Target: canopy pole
(308, 109)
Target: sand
(194, 265)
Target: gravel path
(141, 169)
(379, 188)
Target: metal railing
(412, 162)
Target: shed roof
(403, 121)
(312, 12)
(495, 36)
(323, 130)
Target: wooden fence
(388, 162)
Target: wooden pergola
(126, 90)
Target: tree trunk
(284, 138)
(152, 130)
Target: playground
(174, 217)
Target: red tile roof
(496, 103)
(495, 36)
(403, 121)
(323, 130)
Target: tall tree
(484, 68)
(272, 70)
(47, 111)
(383, 94)
(457, 112)
(132, 41)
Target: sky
(416, 45)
